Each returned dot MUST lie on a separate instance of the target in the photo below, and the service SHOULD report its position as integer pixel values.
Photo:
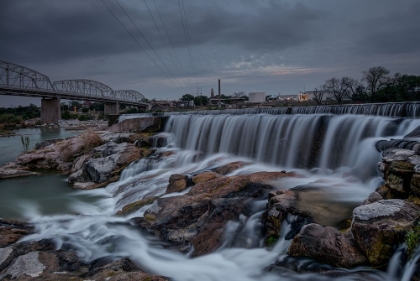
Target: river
(11, 147)
(319, 146)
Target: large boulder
(106, 162)
(400, 169)
(327, 245)
(199, 217)
(378, 228)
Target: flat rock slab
(28, 264)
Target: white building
(256, 97)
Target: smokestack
(220, 96)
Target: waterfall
(291, 141)
(315, 145)
(403, 109)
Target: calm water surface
(11, 147)
(45, 194)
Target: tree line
(376, 85)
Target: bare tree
(337, 88)
(318, 95)
(375, 78)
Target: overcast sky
(266, 45)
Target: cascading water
(410, 110)
(323, 143)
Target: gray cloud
(271, 45)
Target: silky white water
(335, 150)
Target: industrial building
(256, 97)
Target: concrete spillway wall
(140, 124)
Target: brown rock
(136, 206)
(204, 177)
(381, 226)
(177, 183)
(229, 168)
(327, 245)
(11, 231)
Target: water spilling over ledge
(403, 109)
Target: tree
(375, 78)
(337, 88)
(318, 95)
(187, 97)
(201, 100)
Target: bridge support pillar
(111, 108)
(50, 110)
(142, 108)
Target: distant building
(288, 98)
(256, 97)
(310, 95)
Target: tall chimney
(220, 95)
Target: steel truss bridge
(17, 80)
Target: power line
(170, 40)
(138, 43)
(189, 39)
(161, 37)
(150, 46)
(186, 35)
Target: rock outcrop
(378, 228)
(106, 162)
(327, 245)
(198, 217)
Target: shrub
(412, 239)
(91, 140)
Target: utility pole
(199, 92)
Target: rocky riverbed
(193, 214)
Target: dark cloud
(271, 45)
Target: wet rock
(381, 226)
(413, 134)
(220, 211)
(327, 245)
(204, 177)
(5, 257)
(177, 183)
(280, 204)
(136, 206)
(99, 271)
(112, 158)
(199, 217)
(229, 168)
(137, 276)
(84, 185)
(373, 197)
(395, 154)
(11, 231)
(28, 265)
(11, 170)
(46, 143)
(78, 163)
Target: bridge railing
(17, 76)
